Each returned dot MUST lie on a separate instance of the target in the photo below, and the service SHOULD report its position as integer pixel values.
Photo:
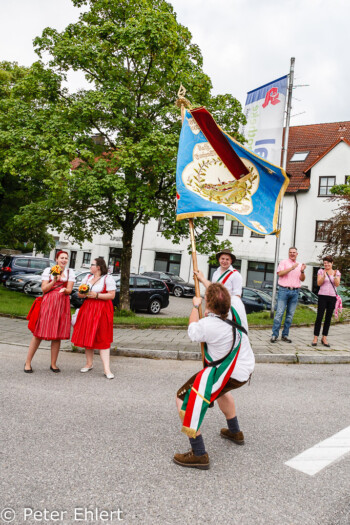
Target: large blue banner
(206, 187)
(264, 111)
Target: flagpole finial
(181, 100)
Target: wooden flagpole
(183, 102)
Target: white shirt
(234, 283)
(99, 285)
(46, 276)
(218, 336)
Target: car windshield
(176, 278)
(265, 296)
(308, 293)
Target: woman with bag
(50, 318)
(93, 329)
(327, 279)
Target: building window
(258, 273)
(257, 235)
(167, 262)
(237, 229)
(322, 231)
(325, 185)
(299, 157)
(86, 258)
(161, 226)
(114, 259)
(73, 259)
(221, 222)
(347, 179)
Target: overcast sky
(245, 44)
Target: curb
(172, 327)
(183, 355)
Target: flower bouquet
(56, 270)
(84, 289)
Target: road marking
(323, 454)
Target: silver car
(18, 281)
(34, 287)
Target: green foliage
(338, 243)
(124, 313)
(134, 55)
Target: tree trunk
(128, 232)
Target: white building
(318, 158)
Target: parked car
(79, 276)
(176, 285)
(33, 287)
(20, 280)
(305, 295)
(255, 300)
(14, 264)
(342, 291)
(145, 294)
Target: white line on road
(321, 455)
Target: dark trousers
(325, 303)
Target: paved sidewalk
(174, 344)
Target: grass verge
(18, 304)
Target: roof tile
(318, 139)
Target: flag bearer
(229, 363)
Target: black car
(145, 294)
(176, 285)
(305, 295)
(13, 264)
(255, 300)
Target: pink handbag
(338, 302)
(338, 306)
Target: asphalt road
(73, 443)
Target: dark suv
(13, 264)
(145, 294)
(176, 285)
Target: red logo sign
(271, 96)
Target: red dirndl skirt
(54, 318)
(94, 325)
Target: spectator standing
(290, 275)
(53, 320)
(328, 280)
(93, 329)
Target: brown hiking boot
(190, 460)
(236, 437)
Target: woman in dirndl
(93, 329)
(52, 321)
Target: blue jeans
(286, 299)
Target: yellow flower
(56, 270)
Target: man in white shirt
(225, 274)
(229, 357)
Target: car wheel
(26, 288)
(178, 292)
(154, 306)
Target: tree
(24, 97)
(338, 240)
(135, 55)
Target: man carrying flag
(229, 363)
(226, 274)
